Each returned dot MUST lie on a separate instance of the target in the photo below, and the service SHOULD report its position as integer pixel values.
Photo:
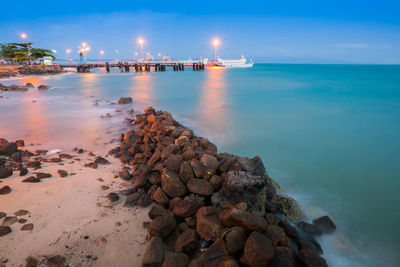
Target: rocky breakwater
(11, 71)
(210, 208)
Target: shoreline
(8, 71)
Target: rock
(31, 179)
(2, 214)
(242, 186)
(23, 172)
(31, 262)
(235, 239)
(200, 186)
(21, 212)
(101, 161)
(154, 254)
(176, 260)
(325, 224)
(8, 149)
(62, 173)
(5, 172)
(55, 160)
(29, 85)
(188, 154)
(288, 207)
(197, 262)
(160, 197)
(27, 227)
(43, 87)
(210, 164)
(158, 210)
(5, 190)
(197, 167)
(187, 242)
(171, 184)
(132, 199)
(289, 230)
(277, 236)
(231, 217)
(173, 162)
(162, 226)
(4, 230)
(144, 200)
(104, 187)
(216, 181)
(139, 181)
(64, 156)
(113, 197)
(22, 221)
(186, 171)
(91, 165)
(310, 258)
(9, 221)
(182, 141)
(168, 150)
(154, 158)
(56, 260)
(20, 143)
(217, 255)
(125, 175)
(186, 208)
(208, 226)
(42, 175)
(258, 250)
(309, 228)
(125, 100)
(154, 178)
(283, 258)
(33, 164)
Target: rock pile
(209, 208)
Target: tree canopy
(23, 52)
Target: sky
(287, 31)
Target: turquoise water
(329, 134)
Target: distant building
(48, 61)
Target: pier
(138, 66)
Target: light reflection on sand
(143, 89)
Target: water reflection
(36, 81)
(213, 109)
(143, 89)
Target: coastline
(7, 71)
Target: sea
(328, 134)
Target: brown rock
(277, 236)
(113, 197)
(235, 239)
(42, 175)
(154, 254)
(158, 210)
(154, 158)
(144, 200)
(57, 261)
(23, 172)
(231, 217)
(139, 181)
(173, 162)
(160, 197)
(162, 226)
(9, 220)
(171, 184)
(200, 186)
(208, 226)
(258, 250)
(125, 175)
(154, 178)
(8, 149)
(5, 172)
(188, 154)
(186, 171)
(186, 208)
(4, 230)
(182, 141)
(20, 143)
(311, 258)
(132, 199)
(217, 255)
(216, 181)
(27, 227)
(283, 258)
(33, 164)
(2, 214)
(5, 190)
(210, 164)
(31, 262)
(325, 224)
(21, 213)
(176, 260)
(197, 167)
(62, 173)
(168, 150)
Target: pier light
(141, 43)
(23, 36)
(216, 42)
(67, 52)
(116, 51)
(101, 52)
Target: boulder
(31, 179)
(157, 210)
(162, 226)
(176, 260)
(235, 239)
(42, 87)
(125, 175)
(5, 172)
(101, 161)
(288, 207)
(62, 173)
(9, 220)
(168, 150)
(186, 208)
(216, 181)
(258, 250)
(231, 217)
(4, 230)
(244, 186)
(277, 236)
(187, 242)
(197, 167)
(160, 197)
(20, 143)
(208, 226)
(325, 224)
(210, 164)
(132, 199)
(182, 141)
(186, 171)
(5, 190)
(200, 186)
(154, 253)
(27, 227)
(309, 228)
(154, 158)
(171, 184)
(173, 162)
(113, 197)
(310, 258)
(217, 255)
(8, 149)
(125, 100)
(154, 178)
(283, 258)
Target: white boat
(235, 63)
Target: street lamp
(215, 43)
(141, 42)
(83, 50)
(67, 51)
(101, 53)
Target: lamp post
(141, 42)
(216, 43)
(83, 50)
(24, 36)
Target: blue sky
(267, 31)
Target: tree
(23, 52)
(40, 53)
